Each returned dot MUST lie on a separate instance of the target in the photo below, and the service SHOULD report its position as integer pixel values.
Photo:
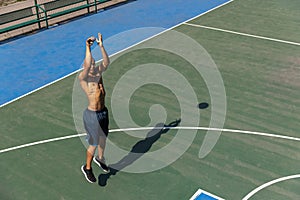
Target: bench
(54, 9)
(97, 2)
(20, 18)
(43, 12)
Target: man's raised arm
(105, 61)
(88, 58)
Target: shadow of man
(137, 150)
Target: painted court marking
(243, 34)
(151, 128)
(76, 71)
(203, 195)
(197, 195)
(268, 184)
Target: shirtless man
(95, 117)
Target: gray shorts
(96, 125)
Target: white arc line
(270, 183)
(151, 128)
(244, 34)
(40, 142)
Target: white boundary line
(270, 183)
(243, 34)
(76, 71)
(48, 84)
(151, 128)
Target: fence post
(88, 3)
(37, 13)
(95, 2)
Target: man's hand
(89, 42)
(99, 40)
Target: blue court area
(30, 62)
(205, 197)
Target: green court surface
(262, 82)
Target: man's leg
(100, 160)
(89, 156)
(87, 168)
(101, 147)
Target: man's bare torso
(95, 93)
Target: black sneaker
(89, 175)
(101, 164)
